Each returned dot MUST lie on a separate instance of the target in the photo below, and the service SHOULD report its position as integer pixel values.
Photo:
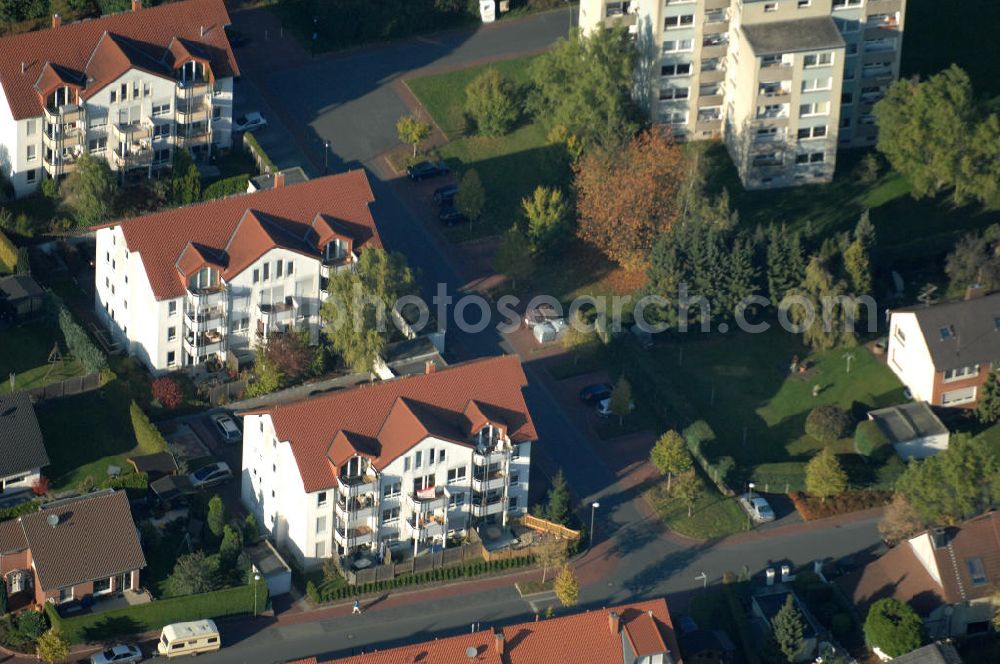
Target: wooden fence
(67, 387)
(226, 393)
(542, 525)
(426, 563)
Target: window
(963, 372)
(770, 6)
(161, 131)
(390, 515)
(172, 308)
(675, 117)
(947, 332)
(677, 45)
(267, 271)
(512, 504)
(256, 275)
(847, 26)
(135, 89)
(817, 157)
(773, 60)
(673, 93)
(406, 463)
(679, 69)
(900, 336)
(425, 482)
(392, 489)
(977, 572)
(216, 112)
(123, 94)
(145, 89)
(851, 49)
(811, 84)
(30, 126)
(456, 500)
(321, 499)
(289, 268)
(964, 395)
(846, 98)
(32, 152)
(812, 132)
(814, 108)
(30, 175)
(818, 59)
(321, 549)
(161, 109)
(515, 451)
(98, 144)
(102, 586)
(844, 4)
(171, 333)
(430, 457)
(456, 475)
(161, 156)
(171, 358)
(418, 459)
(515, 478)
(802, 4)
(114, 96)
(683, 21)
(320, 524)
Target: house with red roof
(130, 87)
(404, 463)
(636, 633)
(178, 287)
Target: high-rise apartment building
(784, 83)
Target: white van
(188, 638)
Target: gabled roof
(195, 256)
(11, 537)
(22, 448)
(452, 649)
(140, 38)
(347, 444)
(245, 227)
(112, 57)
(17, 287)
(95, 538)
(960, 334)
(54, 75)
(935, 653)
(397, 414)
(907, 422)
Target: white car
(227, 428)
(119, 654)
(249, 122)
(210, 475)
(604, 407)
(758, 507)
(543, 313)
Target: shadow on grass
(111, 628)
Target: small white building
(129, 87)
(410, 461)
(913, 429)
(178, 287)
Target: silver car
(118, 654)
(211, 475)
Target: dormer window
(205, 278)
(489, 436)
(336, 249)
(193, 71)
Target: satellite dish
(471, 651)
(53, 520)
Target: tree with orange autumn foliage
(629, 195)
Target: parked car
(542, 313)
(118, 654)
(446, 194)
(249, 122)
(758, 508)
(604, 407)
(211, 475)
(227, 428)
(425, 170)
(597, 392)
(450, 215)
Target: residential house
(20, 297)
(944, 352)
(407, 462)
(129, 87)
(947, 575)
(636, 633)
(266, 181)
(913, 429)
(22, 449)
(935, 653)
(181, 286)
(766, 605)
(785, 83)
(73, 550)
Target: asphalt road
(348, 100)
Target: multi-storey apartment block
(783, 82)
(178, 287)
(129, 87)
(409, 461)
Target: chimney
(940, 538)
(279, 180)
(974, 291)
(499, 640)
(56, 20)
(202, 31)
(136, 5)
(614, 622)
(429, 367)
(23, 66)
(769, 573)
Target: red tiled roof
(899, 574)
(977, 538)
(394, 415)
(246, 226)
(140, 38)
(582, 638)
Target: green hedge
(79, 344)
(777, 476)
(8, 253)
(699, 438)
(109, 625)
(18, 510)
(265, 165)
(871, 441)
(338, 592)
(148, 437)
(744, 633)
(226, 187)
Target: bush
(828, 423)
(312, 592)
(148, 437)
(491, 102)
(8, 253)
(893, 627)
(77, 342)
(871, 441)
(18, 510)
(40, 487)
(813, 507)
(226, 187)
(167, 392)
(31, 624)
(264, 162)
(699, 437)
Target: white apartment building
(407, 462)
(129, 87)
(178, 287)
(784, 82)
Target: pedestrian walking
(357, 607)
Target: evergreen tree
(857, 256)
(670, 455)
(557, 505)
(3, 598)
(216, 520)
(785, 262)
(893, 627)
(740, 280)
(988, 406)
(828, 319)
(788, 627)
(548, 214)
(824, 475)
(185, 180)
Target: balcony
(132, 155)
(132, 131)
(772, 112)
(709, 126)
(204, 343)
(351, 537)
(197, 110)
(56, 136)
(193, 134)
(428, 500)
(716, 4)
(479, 510)
(880, 45)
(199, 299)
(194, 86)
(769, 138)
(278, 312)
(712, 76)
(60, 165)
(876, 72)
(710, 100)
(203, 319)
(431, 525)
(775, 72)
(766, 161)
(487, 481)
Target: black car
(596, 393)
(450, 215)
(427, 169)
(446, 194)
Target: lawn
(510, 166)
(713, 515)
(740, 384)
(102, 417)
(25, 353)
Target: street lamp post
(750, 486)
(593, 508)
(326, 157)
(256, 579)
